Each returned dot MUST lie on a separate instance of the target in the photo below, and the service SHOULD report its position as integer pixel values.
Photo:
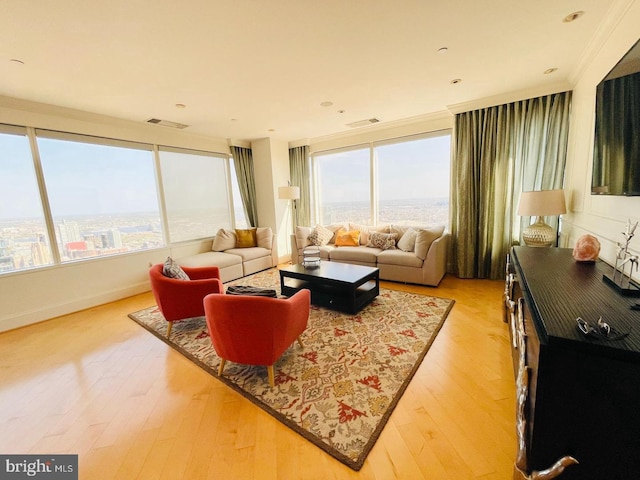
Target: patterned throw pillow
(385, 241)
(172, 270)
(348, 239)
(246, 238)
(320, 236)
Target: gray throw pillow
(172, 270)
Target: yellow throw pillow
(348, 239)
(246, 238)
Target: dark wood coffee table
(339, 286)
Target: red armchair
(255, 330)
(180, 299)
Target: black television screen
(616, 155)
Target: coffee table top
(341, 272)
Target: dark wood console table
(583, 396)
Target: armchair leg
(271, 375)
(221, 367)
(300, 342)
(169, 328)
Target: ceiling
(248, 69)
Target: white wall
(603, 216)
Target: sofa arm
(435, 264)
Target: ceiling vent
(167, 123)
(363, 123)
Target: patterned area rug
(340, 389)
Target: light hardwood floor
(96, 384)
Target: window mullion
(44, 197)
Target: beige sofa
(422, 261)
(233, 259)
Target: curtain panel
(243, 163)
(500, 152)
(299, 171)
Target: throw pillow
(264, 236)
(320, 236)
(425, 238)
(172, 270)
(408, 241)
(247, 238)
(349, 238)
(385, 241)
(302, 236)
(365, 231)
(224, 240)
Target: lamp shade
(542, 203)
(289, 193)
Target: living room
(33, 296)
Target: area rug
(339, 390)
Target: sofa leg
(300, 342)
(221, 366)
(272, 382)
(169, 328)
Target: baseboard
(51, 311)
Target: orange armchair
(180, 299)
(255, 330)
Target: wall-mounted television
(616, 155)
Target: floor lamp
(292, 194)
(541, 203)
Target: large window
(195, 192)
(413, 181)
(407, 183)
(102, 195)
(24, 241)
(343, 186)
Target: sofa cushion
(247, 238)
(349, 238)
(425, 238)
(360, 254)
(172, 270)
(407, 242)
(249, 253)
(208, 259)
(320, 236)
(400, 258)
(264, 237)
(385, 241)
(224, 240)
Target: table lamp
(539, 204)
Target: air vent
(363, 123)
(167, 123)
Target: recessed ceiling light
(15, 60)
(455, 80)
(180, 105)
(573, 16)
(341, 111)
(326, 104)
(234, 119)
(443, 50)
(550, 70)
(272, 129)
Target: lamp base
(539, 234)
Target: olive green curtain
(299, 171)
(498, 153)
(243, 163)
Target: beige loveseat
(234, 259)
(401, 253)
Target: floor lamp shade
(289, 193)
(540, 204)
